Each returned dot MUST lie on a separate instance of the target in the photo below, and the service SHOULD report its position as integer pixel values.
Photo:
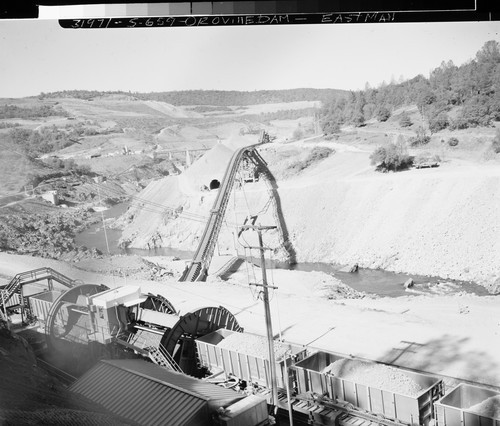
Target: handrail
(169, 358)
(34, 275)
(198, 268)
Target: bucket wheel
(179, 340)
(67, 324)
(158, 303)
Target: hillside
(452, 97)
(89, 127)
(208, 97)
(440, 221)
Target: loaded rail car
(411, 408)
(41, 303)
(249, 363)
(468, 405)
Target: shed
(152, 395)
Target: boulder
(353, 268)
(408, 283)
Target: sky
(39, 56)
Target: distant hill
(209, 97)
(16, 168)
(453, 97)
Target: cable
(159, 208)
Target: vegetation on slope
(210, 97)
(454, 97)
(14, 111)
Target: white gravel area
(253, 345)
(374, 375)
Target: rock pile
(374, 375)
(253, 345)
(489, 407)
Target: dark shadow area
(278, 211)
(436, 356)
(233, 268)
(214, 184)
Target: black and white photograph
(257, 223)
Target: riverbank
(434, 222)
(451, 335)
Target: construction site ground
(454, 335)
(439, 221)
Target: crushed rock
(489, 407)
(253, 345)
(374, 375)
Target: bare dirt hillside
(441, 221)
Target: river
(375, 281)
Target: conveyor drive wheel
(179, 340)
(158, 303)
(60, 323)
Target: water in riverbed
(381, 282)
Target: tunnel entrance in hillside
(214, 184)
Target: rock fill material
(375, 375)
(253, 345)
(489, 407)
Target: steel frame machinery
(193, 343)
(147, 324)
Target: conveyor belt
(197, 270)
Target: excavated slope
(441, 221)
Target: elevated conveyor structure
(197, 270)
(12, 295)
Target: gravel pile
(375, 375)
(489, 407)
(253, 345)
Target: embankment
(439, 222)
(442, 221)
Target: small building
(98, 179)
(147, 394)
(51, 196)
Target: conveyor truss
(198, 268)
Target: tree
(357, 117)
(489, 53)
(420, 138)
(393, 157)
(405, 120)
(439, 122)
(495, 144)
(383, 113)
(425, 98)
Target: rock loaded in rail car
(380, 389)
(245, 356)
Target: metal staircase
(160, 356)
(35, 275)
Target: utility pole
(269, 327)
(103, 223)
